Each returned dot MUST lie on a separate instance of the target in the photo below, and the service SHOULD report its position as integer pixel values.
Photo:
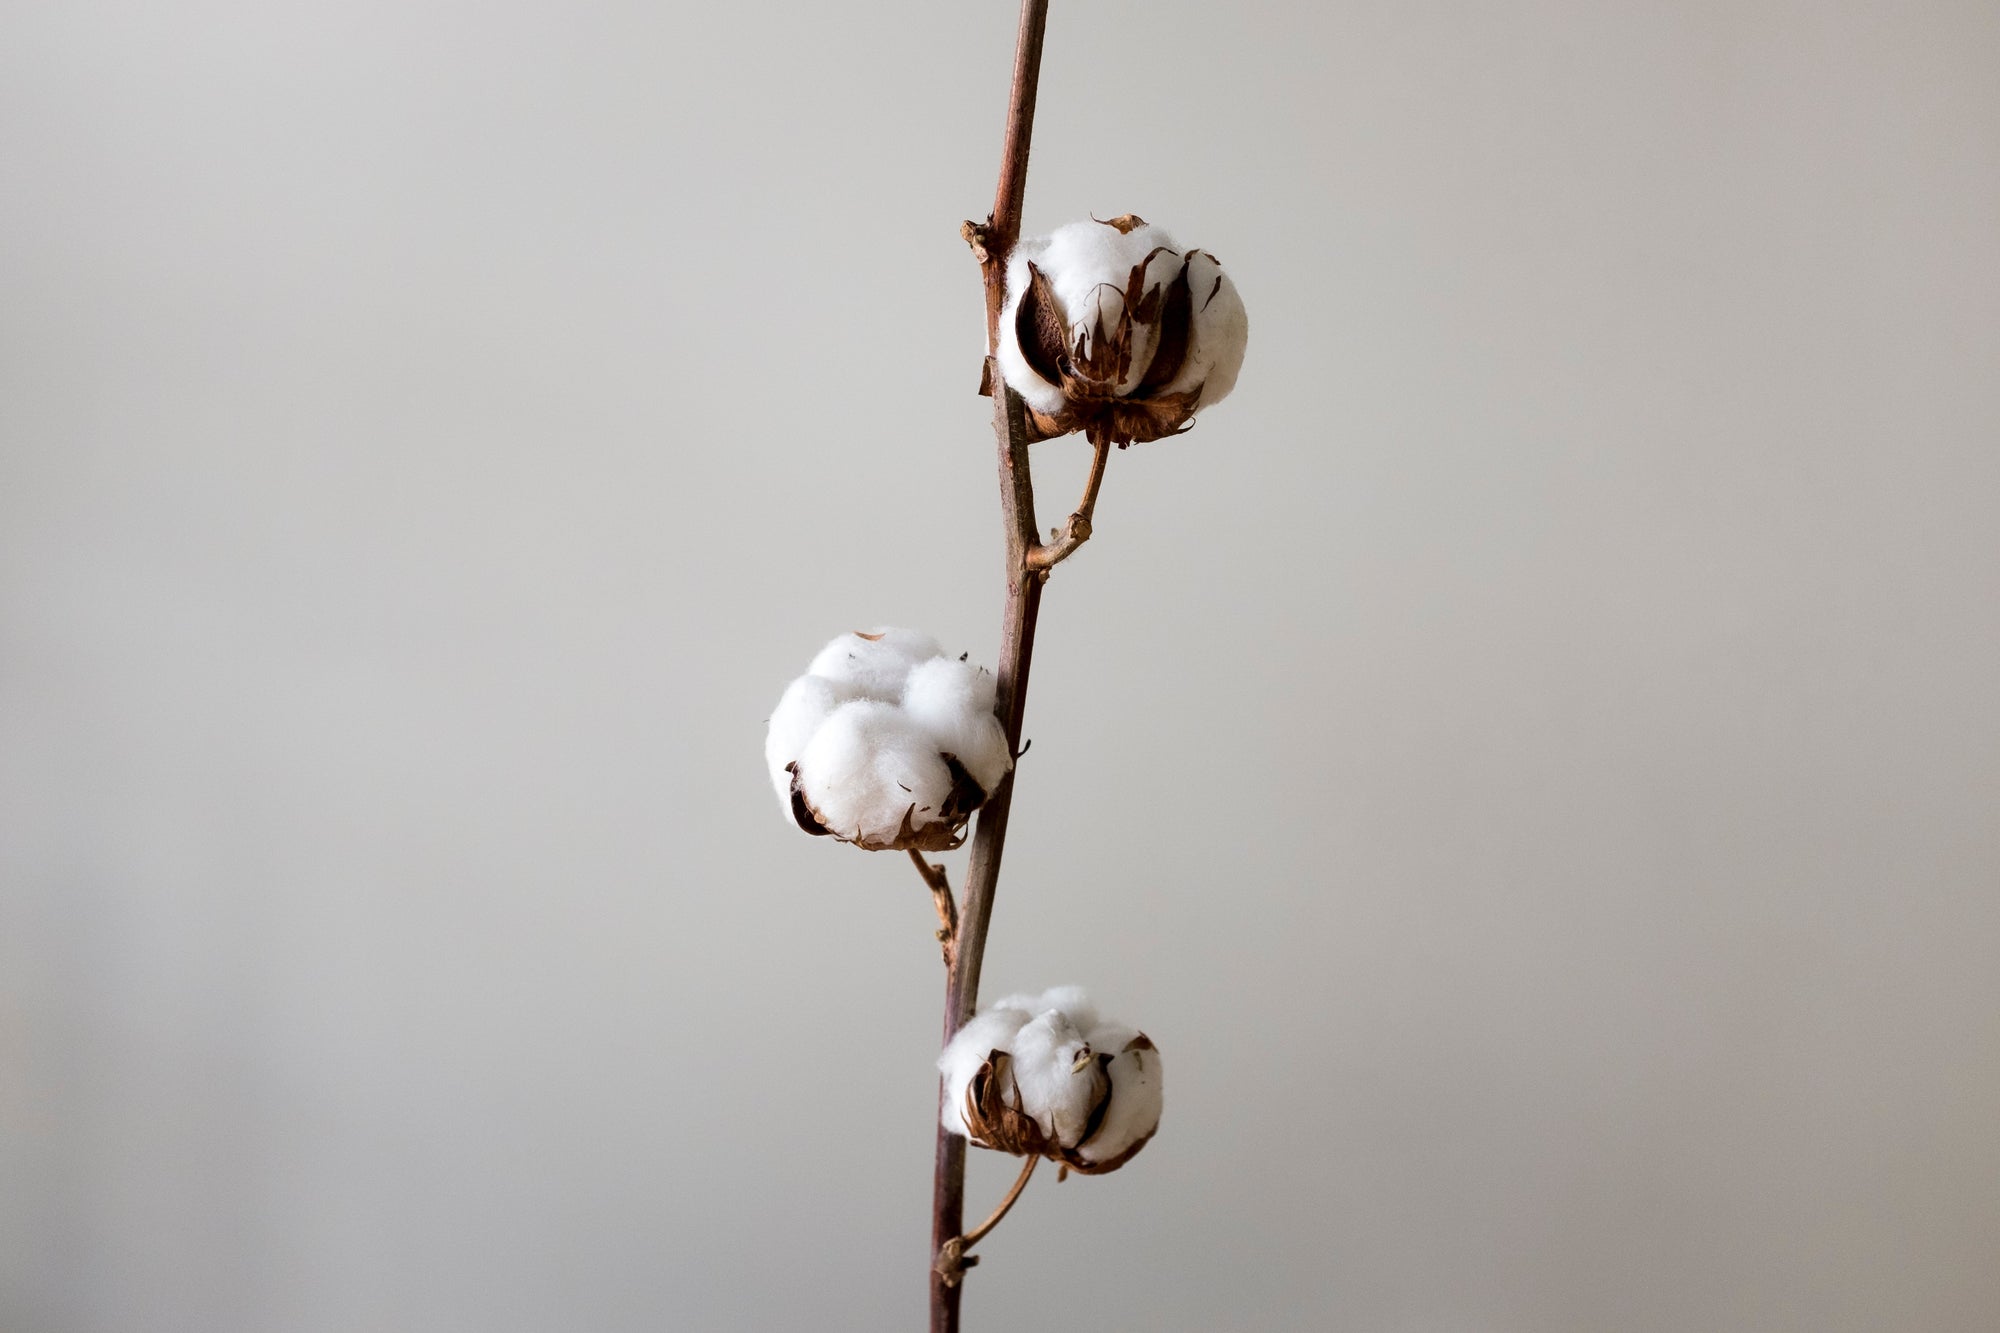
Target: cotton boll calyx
(1038, 1075)
(1111, 329)
(886, 743)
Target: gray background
(1531, 758)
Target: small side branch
(1044, 558)
(952, 1258)
(947, 907)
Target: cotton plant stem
(1017, 634)
(1017, 645)
(1003, 228)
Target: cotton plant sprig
(1104, 328)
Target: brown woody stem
(1017, 645)
(952, 1263)
(989, 837)
(996, 240)
(947, 909)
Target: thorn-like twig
(952, 1260)
(947, 907)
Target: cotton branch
(1017, 631)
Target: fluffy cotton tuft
(1059, 1080)
(1099, 374)
(1039, 1074)
(1221, 332)
(1136, 1096)
(874, 663)
(869, 770)
(1074, 1003)
(886, 743)
(802, 709)
(953, 700)
(988, 1031)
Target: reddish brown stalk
(1017, 647)
(1003, 228)
(993, 243)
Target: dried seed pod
(1111, 329)
(886, 743)
(1039, 1075)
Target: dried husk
(1090, 367)
(996, 1122)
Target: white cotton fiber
(874, 663)
(989, 1031)
(806, 703)
(953, 702)
(1060, 1082)
(1072, 1001)
(1220, 332)
(1136, 1092)
(868, 768)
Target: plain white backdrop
(1531, 758)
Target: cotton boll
(806, 703)
(1220, 333)
(885, 777)
(868, 769)
(953, 702)
(1061, 1083)
(1033, 1074)
(874, 663)
(991, 1030)
(1133, 1113)
(1108, 328)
